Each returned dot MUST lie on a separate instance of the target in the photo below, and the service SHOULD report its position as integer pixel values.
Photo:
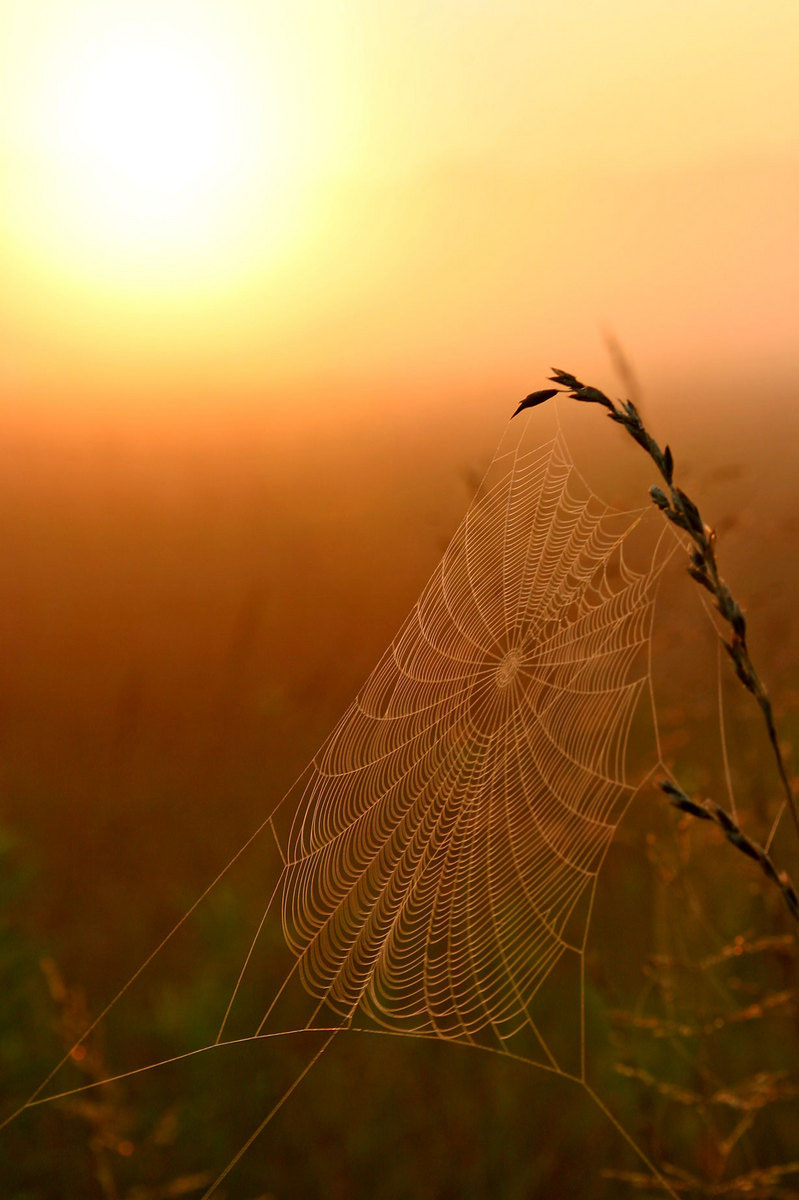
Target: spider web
(456, 819)
(443, 855)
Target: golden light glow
(148, 132)
(230, 198)
(161, 136)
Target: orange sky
(219, 205)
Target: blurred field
(186, 611)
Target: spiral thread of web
(456, 818)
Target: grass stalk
(703, 568)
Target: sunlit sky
(221, 204)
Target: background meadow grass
(185, 619)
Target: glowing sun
(155, 132)
(152, 123)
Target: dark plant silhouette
(681, 510)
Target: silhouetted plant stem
(708, 810)
(680, 509)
